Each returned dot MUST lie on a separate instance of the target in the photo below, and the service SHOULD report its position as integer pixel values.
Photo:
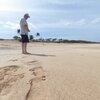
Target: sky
(68, 19)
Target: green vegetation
(51, 40)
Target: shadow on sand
(41, 55)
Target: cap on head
(26, 15)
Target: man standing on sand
(24, 33)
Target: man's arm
(26, 27)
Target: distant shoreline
(56, 41)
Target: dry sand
(51, 72)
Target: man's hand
(28, 30)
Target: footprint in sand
(8, 77)
(38, 72)
(7, 70)
(14, 60)
(31, 62)
(36, 85)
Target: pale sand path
(72, 72)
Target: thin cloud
(11, 25)
(15, 25)
(81, 23)
(63, 24)
(95, 21)
(63, 2)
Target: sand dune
(50, 72)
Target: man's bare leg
(25, 47)
(23, 51)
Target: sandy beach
(53, 71)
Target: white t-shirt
(23, 22)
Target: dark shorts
(24, 38)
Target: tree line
(50, 40)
